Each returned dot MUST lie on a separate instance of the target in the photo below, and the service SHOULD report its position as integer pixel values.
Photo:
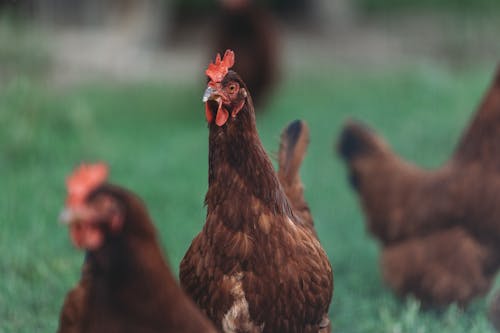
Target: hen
(126, 285)
(249, 29)
(256, 266)
(448, 216)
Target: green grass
(155, 138)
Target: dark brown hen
(403, 202)
(255, 266)
(249, 29)
(126, 285)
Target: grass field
(154, 137)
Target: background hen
(255, 266)
(126, 285)
(249, 29)
(406, 206)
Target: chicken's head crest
(219, 68)
(85, 179)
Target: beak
(82, 227)
(72, 215)
(221, 115)
(66, 216)
(209, 92)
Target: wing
(200, 276)
(290, 287)
(72, 312)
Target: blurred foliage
(210, 5)
(441, 5)
(23, 51)
(363, 5)
(195, 4)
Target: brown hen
(126, 285)
(449, 216)
(249, 29)
(256, 266)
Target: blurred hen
(444, 223)
(126, 285)
(249, 29)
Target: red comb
(219, 68)
(85, 179)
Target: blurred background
(122, 81)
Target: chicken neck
(239, 169)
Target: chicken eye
(232, 88)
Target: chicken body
(416, 212)
(255, 266)
(126, 285)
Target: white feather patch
(237, 319)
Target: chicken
(249, 29)
(406, 206)
(255, 266)
(126, 285)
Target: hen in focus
(256, 266)
(126, 285)
(446, 219)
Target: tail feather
(356, 140)
(293, 147)
(389, 187)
